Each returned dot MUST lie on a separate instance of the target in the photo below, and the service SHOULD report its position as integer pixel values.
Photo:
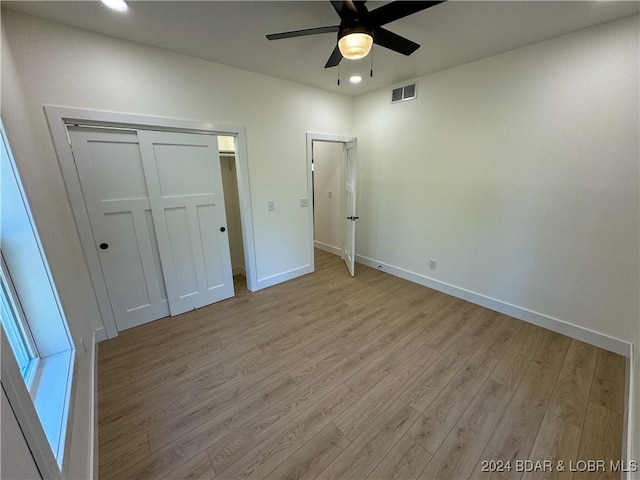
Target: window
(39, 382)
(16, 328)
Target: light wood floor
(331, 377)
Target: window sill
(51, 392)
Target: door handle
(104, 246)
(353, 218)
(222, 229)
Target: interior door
(349, 246)
(109, 166)
(185, 190)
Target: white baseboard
(93, 404)
(284, 276)
(629, 445)
(100, 335)
(560, 326)
(328, 248)
(239, 270)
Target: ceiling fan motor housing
(348, 27)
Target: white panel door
(349, 245)
(185, 189)
(110, 169)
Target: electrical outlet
(330, 194)
(433, 264)
(304, 202)
(84, 347)
(271, 205)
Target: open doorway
(228, 168)
(328, 196)
(332, 187)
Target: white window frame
(49, 397)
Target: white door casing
(349, 245)
(110, 169)
(187, 201)
(60, 119)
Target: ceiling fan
(360, 28)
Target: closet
(156, 207)
(228, 164)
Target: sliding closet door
(185, 190)
(110, 169)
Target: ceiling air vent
(400, 94)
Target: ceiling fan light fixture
(356, 45)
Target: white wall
(47, 63)
(327, 212)
(519, 173)
(17, 462)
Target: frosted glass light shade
(355, 45)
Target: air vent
(400, 94)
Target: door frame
(59, 117)
(320, 137)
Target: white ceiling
(233, 33)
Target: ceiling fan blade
(392, 41)
(302, 33)
(334, 59)
(396, 10)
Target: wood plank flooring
(333, 377)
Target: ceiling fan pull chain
(338, 74)
(371, 71)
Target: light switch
(271, 205)
(304, 202)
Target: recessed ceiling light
(119, 5)
(355, 79)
